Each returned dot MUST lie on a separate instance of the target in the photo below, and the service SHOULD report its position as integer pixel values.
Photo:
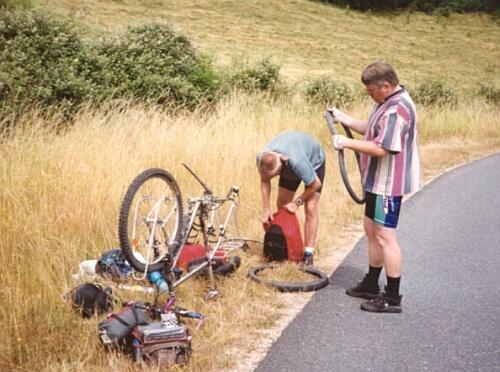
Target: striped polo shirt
(392, 125)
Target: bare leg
(312, 220)
(285, 196)
(375, 251)
(386, 239)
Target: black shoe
(364, 290)
(308, 259)
(383, 304)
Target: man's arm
(265, 189)
(366, 147)
(308, 192)
(357, 125)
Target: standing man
(390, 168)
(295, 157)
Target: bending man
(295, 157)
(390, 168)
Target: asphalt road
(450, 237)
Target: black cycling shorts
(293, 185)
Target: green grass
(310, 38)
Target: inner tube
(320, 282)
(343, 172)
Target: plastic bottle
(159, 281)
(136, 288)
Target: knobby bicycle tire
(321, 282)
(123, 229)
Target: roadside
(435, 166)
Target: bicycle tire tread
(124, 214)
(291, 286)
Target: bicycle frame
(205, 207)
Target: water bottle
(159, 281)
(136, 288)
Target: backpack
(117, 328)
(282, 238)
(113, 265)
(90, 299)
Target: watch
(299, 202)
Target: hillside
(310, 38)
(62, 185)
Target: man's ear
(283, 157)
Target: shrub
(490, 93)
(328, 91)
(15, 4)
(43, 61)
(442, 7)
(264, 76)
(153, 62)
(433, 92)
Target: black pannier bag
(90, 299)
(275, 247)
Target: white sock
(309, 250)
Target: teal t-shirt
(305, 155)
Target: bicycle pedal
(211, 295)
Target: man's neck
(394, 91)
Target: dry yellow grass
(310, 38)
(61, 194)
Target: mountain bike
(154, 230)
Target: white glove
(338, 141)
(337, 114)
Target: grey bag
(115, 330)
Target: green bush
(153, 62)
(264, 76)
(433, 92)
(329, 91)
(490, 93)
(442, 7)
(43, 61)
(15, 4)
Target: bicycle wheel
(150, 219)
(321, 280)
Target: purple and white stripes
(392, 125)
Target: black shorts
(293, 185)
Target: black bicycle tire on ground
(124, 213)
(292, 286)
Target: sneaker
(383, 304)
(364, 290)
(308, 259)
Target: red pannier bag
(195, 254)
(284, 230)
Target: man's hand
(266, 216)
(338, 141)
(291, 207)
(338, 115)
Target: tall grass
(61, 193)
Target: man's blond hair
(268, 163)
